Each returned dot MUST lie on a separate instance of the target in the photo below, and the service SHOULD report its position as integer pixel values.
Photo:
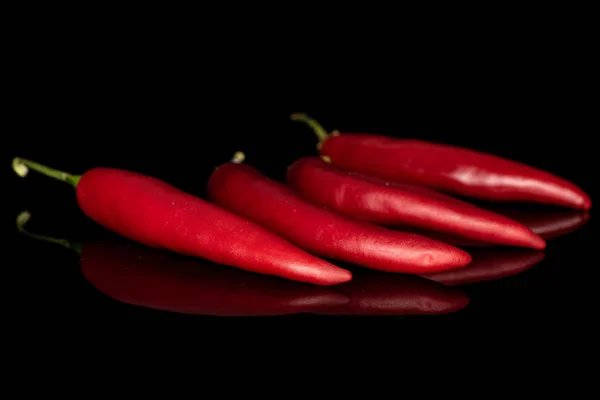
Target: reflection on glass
(165, 281)
(162, 280)
(489, 264)
(378, 293)
(549, 225)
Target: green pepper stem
(316, 127)
(21, 166)
(238, 157)
(25, 216)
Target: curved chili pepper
(385, 294)
(549, 225)
(387, 203)
(244, 190)
(446, 168)
(161, 280)
(152, 212)
(490, 264)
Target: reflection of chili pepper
(386, 203)
(157, 214)
(490, 264)
(446, 168)
(244, 190)
(549, 225)
(161, 280)
(384, 294)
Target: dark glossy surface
(104, 124)
(127, 296)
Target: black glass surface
(181, 130)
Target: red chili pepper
(161, 280)
(385, 294)
(245, 191)
(490, 264)
(444, 237)
(152, 212)
(385, 203)
(446, 168)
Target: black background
(176, 112)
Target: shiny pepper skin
(154, 213)
(244, 190)
(446, 168)
(451, 169)
(393, 204)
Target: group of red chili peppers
(361, 202)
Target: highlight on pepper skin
(443, 237)
(490, 264)
(153, 212)
(388, 203)
(244, 190)
(444, 167)
(375, 293)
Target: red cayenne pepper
(386, 294)
(154, 213)
(444, 237)
(385, 203)
(244, 190)
(161, 280)
(446, 168)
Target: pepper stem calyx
(238, 157)
(21, 167)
